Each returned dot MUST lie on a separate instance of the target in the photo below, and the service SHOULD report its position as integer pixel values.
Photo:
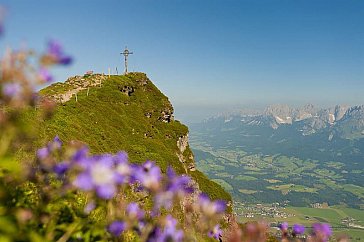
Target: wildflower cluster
(321, 232)
(105, 178)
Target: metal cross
(126, 53)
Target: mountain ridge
(343, 120)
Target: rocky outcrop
(86, 81)
(166, 115)
(185, 157)
(127, 90)
(182, 143)
(140, 78)
(339, 111)
(74, 85)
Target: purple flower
(116, 228)
(211, 208)
(123, 168)
(80, 157)
(215, 233)
(61, 168)
(84, 181)
(45, 75)
(140, 227)
(134, 212)
(323, 230)
(55, 50)
(298, 229)
(121, 157)
(42, 153)
(12, 90)
(57, 143)
(170, 232)
(178, 184)
(149, 175)
(65, 60)
(99, 175)
(283, 226)
(106, 191)
(154, 235)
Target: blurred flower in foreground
(283, 226)
(134, 212)
(61, 168)
(210, 208)
(322, 231)
(52, 146)
(99, 175)
(12, 90)
(176, 188)
(116, 228)
(298, 229)
(216, 233)
(56, 54)
(170, 232)
(178, 184)
(42, 153)
(45, 75)
(149, 175)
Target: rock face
(186, 158)
(339, 111)
(65, 91)
(166, 115)
(139, 78)
(314, 117)
(182, 143)
(127, 90)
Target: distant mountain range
(342, 120)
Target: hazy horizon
(196, 114)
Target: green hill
(123, 113)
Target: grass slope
(108, 120)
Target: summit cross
(126, 53)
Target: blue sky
(209, 56)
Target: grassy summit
(123, 113)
